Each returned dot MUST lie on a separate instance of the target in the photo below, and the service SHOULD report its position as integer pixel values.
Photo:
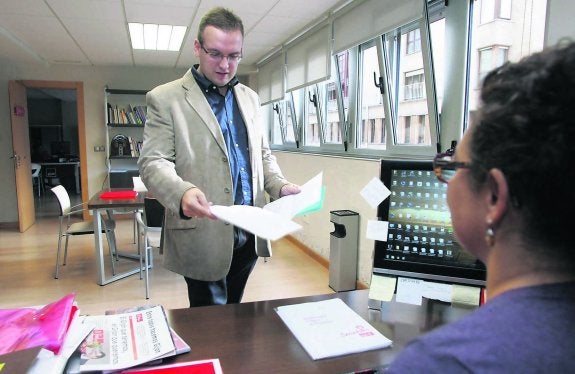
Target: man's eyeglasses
(217, 56)
(445, 168)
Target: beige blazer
(184, 148)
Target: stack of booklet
(55, 338)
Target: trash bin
(343, 250)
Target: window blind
(271, 79)
(308, 59)
(372, 18)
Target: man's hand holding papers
(274, 220)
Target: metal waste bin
(343, 250)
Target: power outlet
(99, 148)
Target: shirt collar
(207, 85)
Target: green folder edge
(314, 207)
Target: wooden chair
(68, 229)
(149, 235)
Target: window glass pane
(437, 29)
(289, 121)
(487, 10)
(311, 129)
(343, 68)
(332, 133)
(276, 133)
(496, 42)
(505, 9)
(412, 98)
(371, 131)
(413, 41)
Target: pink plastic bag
(22, 328)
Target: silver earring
(490, 237)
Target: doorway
(74, 89)
(54, 146)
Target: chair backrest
(139, 185)
(63, 198)
(153, 212)
(36, 169)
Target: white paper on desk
(330, 328)
(260, 222)
(409, 291)
(289, 206)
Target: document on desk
(330, 328)
(274, 220)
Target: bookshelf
(125, 113)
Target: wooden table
(251, 337)
(98, 205)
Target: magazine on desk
(120, 341)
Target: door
(21, 154)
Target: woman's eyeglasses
(445, 168)
(218, 56)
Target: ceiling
(95, 32)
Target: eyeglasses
(217, 56)
(445, 168)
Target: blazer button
(224, 159)
(226, 190)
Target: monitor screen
(420, 242)
(60, 148)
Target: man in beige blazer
(204, 144)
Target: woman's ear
(498, 198)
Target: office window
(495, 9)
(284, 121)
(422, 130)
(413, 44)
(312, 108)
(491, 58)
(372, 110)
(406, 129)
(414, 86)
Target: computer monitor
(421, 242)
(60, 148)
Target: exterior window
(414, 86)
(413, 44)
(491, 58)
(421, 130)
(495, 9)
(407, 130)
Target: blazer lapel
(195, 97)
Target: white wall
(95, 79)
(343, 178)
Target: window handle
(378, 83)
(313, 99)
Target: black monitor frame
(419, 264)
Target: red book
(122, 195)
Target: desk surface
(251, 337)
(98, 203)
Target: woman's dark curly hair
(526, 128)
